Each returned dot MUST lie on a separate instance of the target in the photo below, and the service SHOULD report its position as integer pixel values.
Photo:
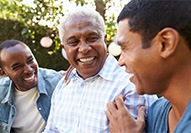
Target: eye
(73, 42)
(30, 60)
(16, 66)
(93, 38)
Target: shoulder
(4, 86)
(4, 82)
(48, 77)
(50, 74)
(160, 103)
(185, 122)
(59, 88)
(157, 116)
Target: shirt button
(39, 108)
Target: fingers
(108, 114)
(111, 107)
(111, 110)
(141, 113)
(119, 100)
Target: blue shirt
(47, 81)
(157, 118)
(80, 106)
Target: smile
(30, 78)
(84, 60)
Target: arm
(51, 126)
(120, 119)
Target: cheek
(71, 56)
(14, 77)
(70, 52)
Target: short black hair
(7, 44)
(148, 17)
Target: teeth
(87, 59)
(130, 74)
(30, 78)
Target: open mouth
(131, 74)
(84, 60)
(31, 78)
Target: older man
(79, 104)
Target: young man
(26, 90)
(79, 104)
(155, 37)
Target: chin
(139, 91)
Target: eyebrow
(15, 65)
(71, 37)
(126, 42)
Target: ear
(2, 72)
(63, 46)
(105, 37)
(169, 39)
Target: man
(26, 91)
(79, 104)
(155, 37)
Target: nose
(84, 47)
(28, 68)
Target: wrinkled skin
(85, 47)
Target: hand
(120, 119)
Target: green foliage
(25, 23)
(49, 58)
(29, 24)
(80, 2)
(110, 29)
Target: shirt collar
(107, 71)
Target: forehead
(12, 54)
(80, 25)
(125, 35)
(122, 29)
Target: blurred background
(35, 23)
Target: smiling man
(26, 90)
(155, 37)
(79, 105)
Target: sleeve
(133, 101)
(51, 123)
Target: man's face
(85, 46)
(20, 65)
(143, 64)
